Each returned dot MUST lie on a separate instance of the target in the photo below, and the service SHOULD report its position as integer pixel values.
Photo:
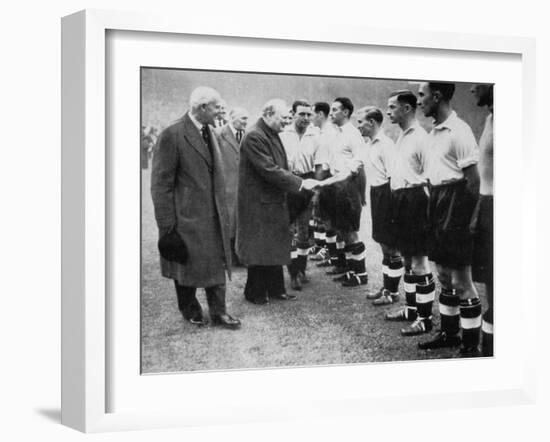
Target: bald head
(274, 113)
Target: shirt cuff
(467, 162)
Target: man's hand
(310, 184)
(471, 174)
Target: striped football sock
(385, 263)
(449, 311)
(425, 294)
(409, 283)
(341, 254)
(470, 321)
(331, 244)
(301, 260)
(350, 264)
(293, 266)
(320, 236)
(395, 270)
(357, 261)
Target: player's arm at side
(467, 156)
(471, 173)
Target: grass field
(328, 324)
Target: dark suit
(188, 191)
(263, 224)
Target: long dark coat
(230, 150)
(188, 191)
(263, 225)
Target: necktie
(206, 137)
(240, 135)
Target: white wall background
(30, 221)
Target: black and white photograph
(297, 221)
(303, 248)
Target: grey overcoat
(263, 225)
(230, 151)
(188, 190)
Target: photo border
(85, 310)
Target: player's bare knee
(463, 283)
(444, 274)
(420, 265)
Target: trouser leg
(275, 280)
(302, 239)
(256, 288)
(188, 304)
(215, 296)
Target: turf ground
(326, 325)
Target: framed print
(130, 351)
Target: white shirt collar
(448, 123)
(195, 122)
(232, 129)
(414, 125)
(378, 136)
(310, 130)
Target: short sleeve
(465, 147)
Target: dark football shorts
(299, 202)
(450, 214)
(381, 214)
(341, 203)
(482, 231)
(410, 218)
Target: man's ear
(437, 96)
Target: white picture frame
(85, 234)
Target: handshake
(311, 184)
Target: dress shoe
(441, 340)
(198, 320)
(356, 280)
(295, 283)
(284, 297)
(403, 314)
(418, 327)
(259, 301)
(226, 321)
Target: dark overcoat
(188, 191)
(263, 225)
(229, 148)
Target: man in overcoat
(230, 137)
(188, 191)
(263, 222)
